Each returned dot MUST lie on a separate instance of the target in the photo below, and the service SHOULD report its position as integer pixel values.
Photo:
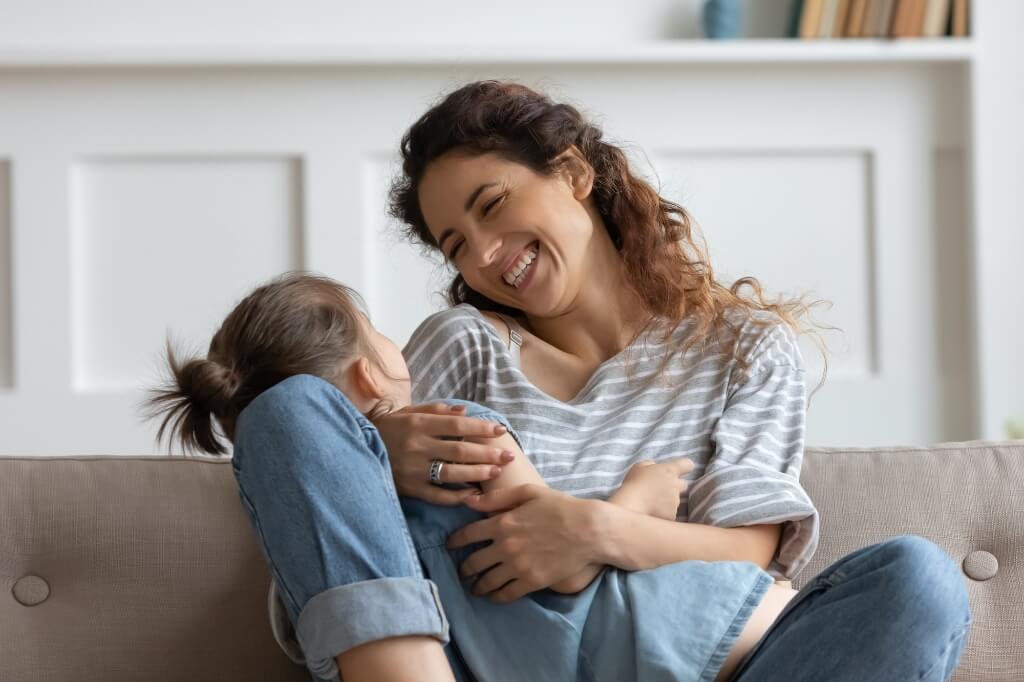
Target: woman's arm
(520, 471)
(540, 537)
(650, 490)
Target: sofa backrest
(152, 570)
(145, 568)
(968, 498)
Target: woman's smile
(516, 274)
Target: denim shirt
(675, 622)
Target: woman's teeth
(514, 277)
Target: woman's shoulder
(462, 324)
(759, 336)
(764, 338)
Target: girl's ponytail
(198, 391)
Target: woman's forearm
(637, 542)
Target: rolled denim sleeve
(346, 616)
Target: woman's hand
(538, 538)
(413, 437)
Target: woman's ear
(578, 172)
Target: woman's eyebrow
(476, 193)
(444, 235)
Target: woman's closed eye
(493, 203)
(486, 210)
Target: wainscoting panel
(146, 200)
(6, 320)
(168, 245)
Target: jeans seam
(820, 583)
(957, 636)
(396, 508)
(273, 564)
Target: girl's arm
(633, 542)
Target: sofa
(128, 569)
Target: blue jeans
(353, 563)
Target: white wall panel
(954, 291)
(123, 174)
(168, 244)
(403, 286)
(6, 281)
(797, 208)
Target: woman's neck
(604, 318)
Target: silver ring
(435, 471)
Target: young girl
(308, 332)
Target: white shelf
(747, 52)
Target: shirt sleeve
(447, 356)
(753, 476)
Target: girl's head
(296, 324)
(498, 174)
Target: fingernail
(507, 456)
(458, 408)
(495, 472)
(500, 429)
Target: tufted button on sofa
(129, 569)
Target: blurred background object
(722, 18)
(159, 159)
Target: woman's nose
(485, 251)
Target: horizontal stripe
(743, 430)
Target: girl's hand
(654, 488)
(538, 538)
(413, 437)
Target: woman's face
(517, 237)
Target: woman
(589, 317)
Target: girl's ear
(578, 172)
(360, 378)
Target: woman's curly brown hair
(666, 267)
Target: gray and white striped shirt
(745, 435)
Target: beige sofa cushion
(966, 497)
(146, 568)
(152, 568)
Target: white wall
(136, 199)
(108, 23)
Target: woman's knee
(929, 582)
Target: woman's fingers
(467, 427)
(492, 580)
(443, 496)
(478, 531)
(463, 452)
(506, 498)
(469, 473)
(433, 408)
(480, 561)
(516, 589)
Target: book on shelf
(879, 18)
